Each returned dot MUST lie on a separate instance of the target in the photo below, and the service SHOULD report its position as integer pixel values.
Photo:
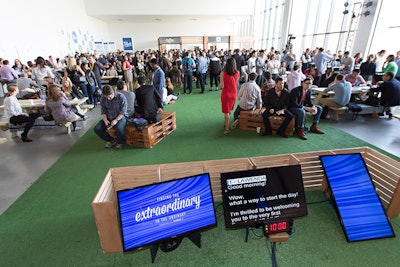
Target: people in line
(113, 115)
(229, 79)
(276, 102)
(13, 112)
(300, 105)
(149, 103)
(58, 105)
(250, 98)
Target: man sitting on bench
(250, 98)
(276, 102)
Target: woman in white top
(40, 71)
(13, 112)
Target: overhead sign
(128, 44)
(170, 40)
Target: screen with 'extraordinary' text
(160, 211)
(256, 196)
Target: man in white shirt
(250, 98)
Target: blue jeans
(101, 130)
(187, 82)
(300, 116)
(90, 92)
(202, 80)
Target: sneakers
(235, 124)
(77, 128)
(108, 145)
(118, 146)
(179, 95)
(314, 129)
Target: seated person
(149, 104)
(28, 89)
(111, 71)
(390, 92)
(130, 98)
(58, 105)
(168, 96)
(113, 113)
(355, 78)
(276, 102)
(250, 98)
(268, 83)
(342, 90)
(300, 104)
(327, 77)
(13, 112)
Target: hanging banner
(128, 44)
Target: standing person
(113, 113)
(276, 102)
(250, 98)
(239, 60)
(97, 69)
(306, 60)
(13, 112)
(348, 63)
(158, 76)
(202, 68)
(295, 77)
(76, 74)
(149, 103)
(300, 104)
(58, 105)
(321, 60)
(229, 82)
(128, 76)
(215, 71)
(91, 84)
(187, 66)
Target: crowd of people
(278, 81)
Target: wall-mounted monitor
(253, 197)
(358, 205)
(159, 212)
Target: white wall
(44, 27)
(145, 35)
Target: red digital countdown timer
(278, 226)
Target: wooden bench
(384, 171)
(151, 134)
(250, 120)
(39, 124)
(335, 112)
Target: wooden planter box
(250, 120)
(384, 171)
(151, 134)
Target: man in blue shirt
(202, 67)
(187, 67)
(158, 76)
(342, 90)
(321, 61)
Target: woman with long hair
(13, 112)
(76, 74)
(128, 76)
(368, 69)
(59, 106)
(228, 82)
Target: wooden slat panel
(192, 39)
(104, 190)
(128, 177)
(180, 170)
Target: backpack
(139, 123)
(187, 67)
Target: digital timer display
(280, 226)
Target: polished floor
(23, 163)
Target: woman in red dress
(229, 82)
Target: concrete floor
(23, 163)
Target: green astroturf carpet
(52, 223)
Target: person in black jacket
(390, 92)
(300, 104)
(149, 103)
(276, 102)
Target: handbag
(97, 92)
(82, 79)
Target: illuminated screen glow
(359, 207)
(156, 212)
